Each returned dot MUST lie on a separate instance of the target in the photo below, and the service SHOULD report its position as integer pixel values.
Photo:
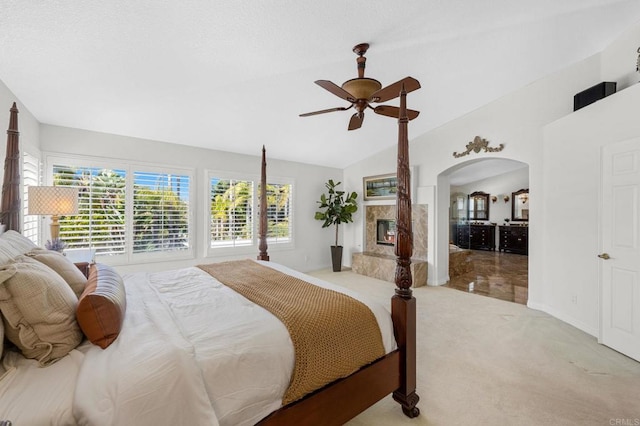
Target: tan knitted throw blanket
(333, 334)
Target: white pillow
(63, 266)
(38, 309)
(13, 244)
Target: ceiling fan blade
(393, 90)
(307, 114)
(336, 90)
(391, 111)
(356, 121)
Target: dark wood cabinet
(476, 237)
(461, 236)
(514, 239)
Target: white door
(620, 255)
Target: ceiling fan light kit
(363, 91)
(362, 88)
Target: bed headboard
(10, 209)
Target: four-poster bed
(334, 403)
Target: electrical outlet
(574, 299)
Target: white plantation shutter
(100, 222)
(231, 212)
(30, 177)
(279, 213)
(233, 218)
(160, 212)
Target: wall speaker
(592, 94)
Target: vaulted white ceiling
(234, 75)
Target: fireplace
(378, 259)
(385, 232)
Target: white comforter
(194, 352)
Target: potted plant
(338, 207)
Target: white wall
(517, 120)
(311, 241)
(619, 59)
(28, 126)
(571, 215)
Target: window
(130, 212)
(233, 216)
(160, 212)
(279, 213)
(231, 213)
(30, 177)
(100, 223)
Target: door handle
(604, 256)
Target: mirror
(459, 206)
(479, 206)
(520, 205)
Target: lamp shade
(53, 200)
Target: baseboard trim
(580, 325)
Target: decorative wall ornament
(477, 145)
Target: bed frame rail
(342, 400)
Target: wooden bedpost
(11, 205)
(403, 304)
(262, 231)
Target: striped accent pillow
(102, 305)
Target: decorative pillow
(13, 244)
(1, 339)
(2, 369)
(63, 266)
(38, 309)
(102, 305)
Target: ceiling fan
(363, 91)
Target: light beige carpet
(483, 361)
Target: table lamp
(53, 200)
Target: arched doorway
(476, 247)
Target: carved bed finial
(404, 233)
(262, 231)
(11, 205)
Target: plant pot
(336, 258)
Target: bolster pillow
(102, 305)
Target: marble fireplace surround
(419, 225)
(378, 260)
